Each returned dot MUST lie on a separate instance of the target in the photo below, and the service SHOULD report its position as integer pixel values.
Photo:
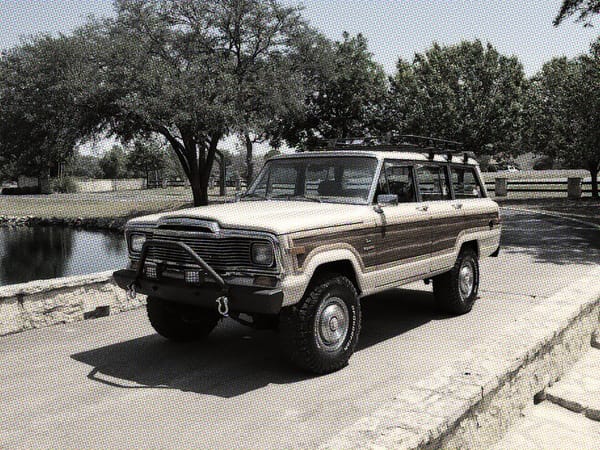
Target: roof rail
(394, 142)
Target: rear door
(445, 219)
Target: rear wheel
(179, 322)
(455, 291)
(320, 333)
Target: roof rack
(395, 142)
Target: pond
(35, 253)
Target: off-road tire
(178, 322)
(447, 291)
(301, 325)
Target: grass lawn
(98, 204)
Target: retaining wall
(47, 302)
(472, 403)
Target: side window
(465, 183)
(400, 181)
(433, 183)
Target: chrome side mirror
(385, 200)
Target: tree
(39, 122)
(113, 163)
(84, 166)
(466, 92)
(348, 91)
(564, 112)
(190, 70)
(145, 157)
(585, 9)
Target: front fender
(294, 286)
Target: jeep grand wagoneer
(312, 235)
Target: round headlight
(136, 242)
(262, 254)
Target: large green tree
(146, 156)
(564, 112)
(584, 9)
(348, 89)
(190, 70)
(467, 92)
(39, 121)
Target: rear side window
(433, 183)
(465, 183)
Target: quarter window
(465, 183)
(433, 183)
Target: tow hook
(131, 294)
(223, 306)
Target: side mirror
(385, 200)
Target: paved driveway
(113, 382)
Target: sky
(394, 28)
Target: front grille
(221, 253)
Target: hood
(273, 216)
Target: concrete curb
(553, 214)
(472, 403)
(48, 302)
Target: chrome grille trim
(226, 251)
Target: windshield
(322, 179)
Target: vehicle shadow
(235, 359)
(550, 240)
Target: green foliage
(466, 92)
(193, 71)
(113, 163)
(564, 112)
(39, 119)
(146, 156)
(84, 166)
(64, 185)
(584, 8)
(348, 89)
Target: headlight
(136, 242)
(262, 254)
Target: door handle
(457, 205)
(422, 208)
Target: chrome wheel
(332, 322)
(466, 279)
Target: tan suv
(312, 235)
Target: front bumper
(242, 298)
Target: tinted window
(433, 183)
(465, 183)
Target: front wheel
(320, 333)
(455, 291)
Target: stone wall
(472, 402)
(48, 302)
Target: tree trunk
(594, 173)
(199, 188)
(249, 159)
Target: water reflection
(35, 253)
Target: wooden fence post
(574, 187)
(501, 188)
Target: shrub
(64, 185)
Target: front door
(404, 241)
